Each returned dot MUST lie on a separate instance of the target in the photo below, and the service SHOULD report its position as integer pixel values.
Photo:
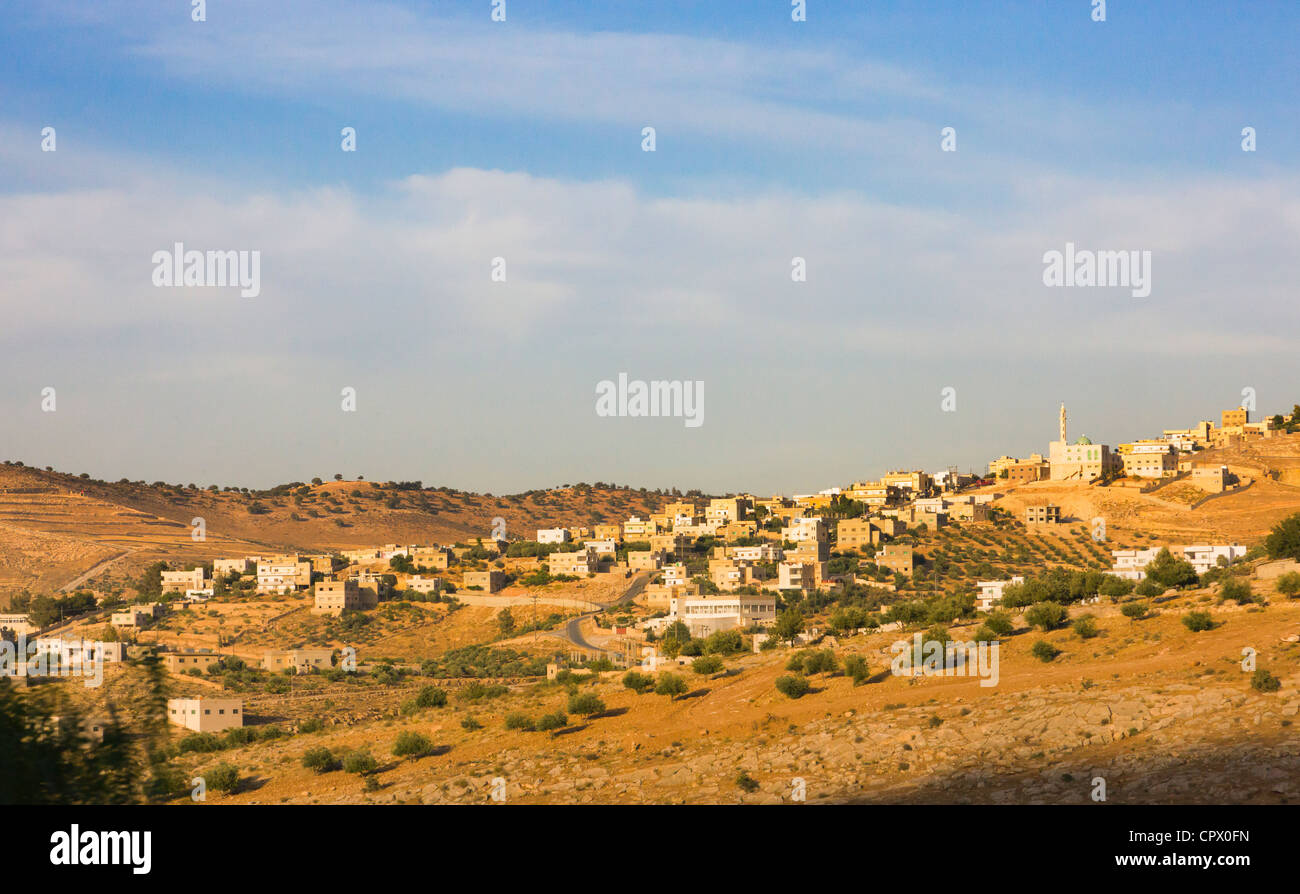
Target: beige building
(417, 583)
(183, 581)
(283, 574)
(607, 532)
(488, 581)
(179, 662)
(578, 563)
(854, 533)
(644, 560)
(302, 660)
(333, 597)
(725, 509)
(1148, 459)
(1043, 515)
(17, 623)
(917, 482)
(896, 558)
(231, 566)
(206, 715)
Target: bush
(585, 704)
(709, 664)
(360, 762)
(320, 759)
(670, 685)
(222, 778)
(1085, 627)
(1238, 589)
(470, 723)
(411, 744)
(555, 720)
(1044, 651)
(1198, 621)
(1134, 611)
(746, 782)
(1289, 584)
(792, 685)
(1046, 615)
(520, 721)
(856, 667)
(999, 624)
(638, 682)
(1263, 681)
(311, 725)
(431, 697)
(199, 743)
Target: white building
(606, 547)
(991, 592)
(1131, 563)
(704, 615)
(801, 530)
(552, 535)
(674, 574)
(764, 552)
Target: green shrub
(431, 697)
(1044, 651)
(199, 743)
(1134, 611)
(311, 725)
(793, 685)
(1238, 589)
(409, 743)
(360, 762)
(520, 721)
(320, 759)
(1198, 621)
(709, 664)
(856, 667)
(746, 782)
(638, 682)
(585, 704)
(470, 723)
(553, 721)
(223, 778)
(1085, 627)
(1263, 681)
(670, 685)
(1289, 584)
(1046, 615)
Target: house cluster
(1131, 564)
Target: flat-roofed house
(206, 715)
(180, 662)
(578, 563)
(488, 581)
(333, 597)
(302, 660)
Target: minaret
(1062, 423)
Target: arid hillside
(55, 528)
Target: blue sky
(522, 139)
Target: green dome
(1084, 440)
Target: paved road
(93, 571)
(573, 628)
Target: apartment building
(333, 597)
(674, 574)
(639, 528)
(725, 509)
(915, 482)
(284, 574)
(644, 560)
(674, 543)
(604, 548)
(206, 715)
(607, 532)
(705, 615)
(227, 567)
(763, 552)
(681, 507)
(553, 535)
(488, 581)
(728, 574)
(579, 563)
(896, 558)
(802, 529)
(1214, 479)
(874, 493)
(130, 618)
(182, 581)
(1148, 459)
(809, 551)
(418, 583)
(1027, 471)
(1049, 514)
(855, 533)
(436, 557)
(797, 575)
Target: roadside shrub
(793, 685)
(1044, 651)
(320, 759)
(360, 762)
(409, 743)
(1198, 621)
